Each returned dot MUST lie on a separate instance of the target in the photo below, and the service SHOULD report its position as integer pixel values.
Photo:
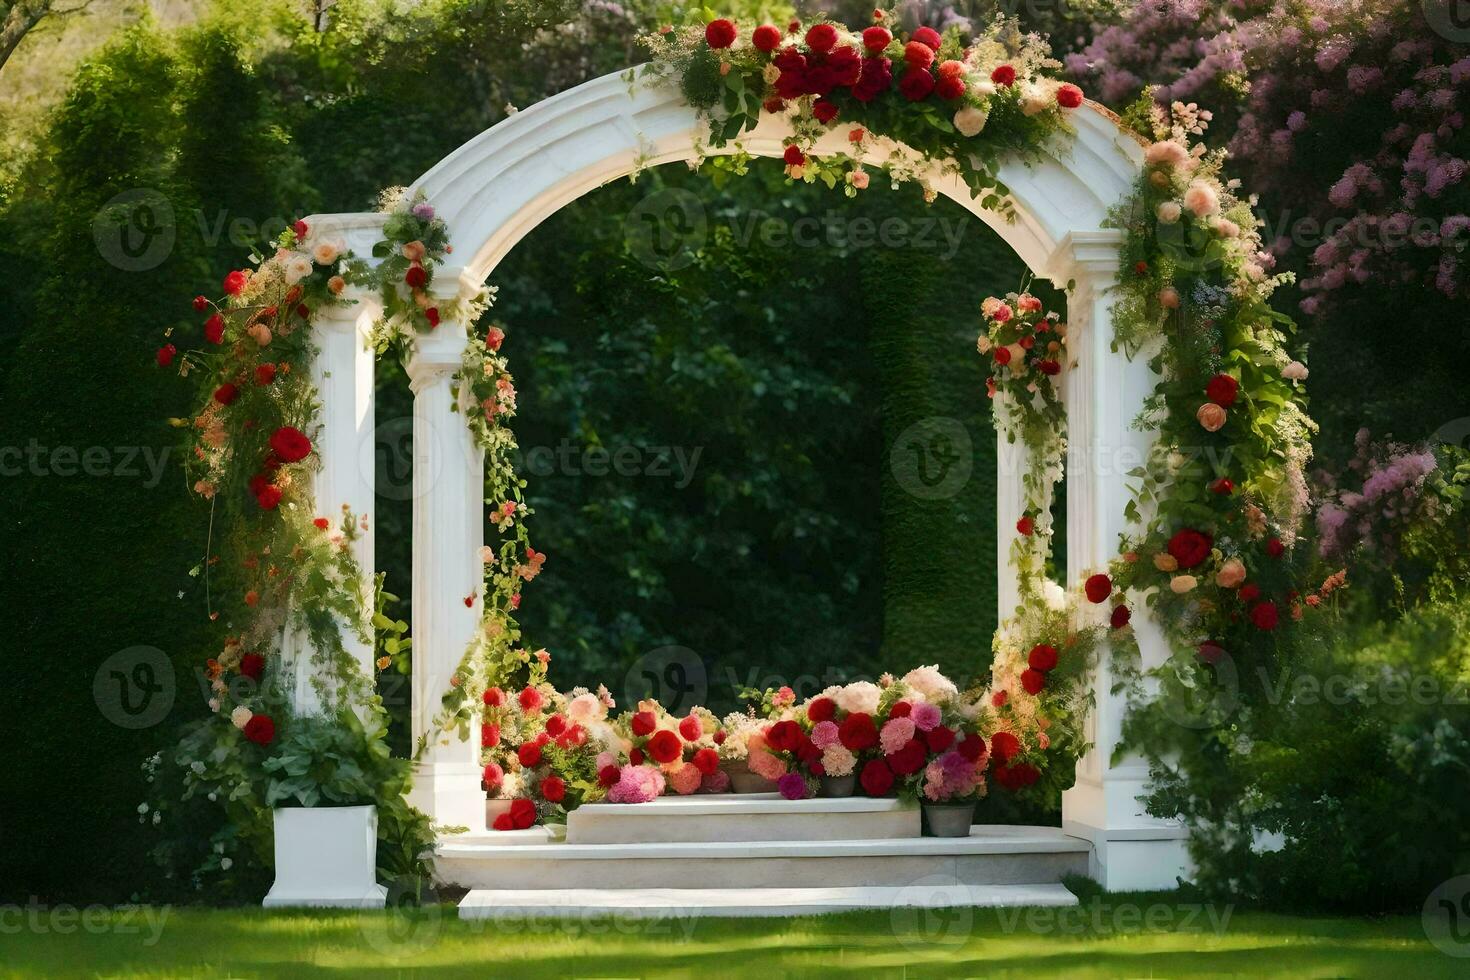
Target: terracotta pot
(742, 780)
(836, 787)
(948, 819)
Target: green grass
(1109, 936)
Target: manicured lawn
(1109, 936)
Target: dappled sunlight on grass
(1102, 938)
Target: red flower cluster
(1190, 547)
(522, 814)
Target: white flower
(1035, 100)
(1054, 596)
(930, 683)
(771, 74)
(241, 716)
(142, 807)
(1295, 371)
(1169, 212)
(295, 268)
(970, 120)
(226, 864)
(327, 252)
(984, 88)
(858, 697)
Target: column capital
(360, 230)
(1089, 255)
(436, 354)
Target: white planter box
(327, 857)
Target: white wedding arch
(496, 188)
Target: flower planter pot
(742, 780)
(836, 787)
(948, 819)
(327, 856)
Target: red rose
(691, 728)
(269, 497)
(765, 38)
(235, 283)
(877, 75)
(502, 822)
(821, 37)
(784, 736)
(1190, 547)
(290, 444)
(1004, 745)
(876, 777)
(665, 746)
(416, 277)
(821, 709)
(643, 723)
(554, 789)
(719, 33)
(857, 732)
(1222, 390)
(432, 315)
(900, 709)
(1211, 652)
(1098, 587)
(972, 746)
(1042, 657)
(1249, 592)
(824, 111)
(1222, 486)
(918, 56)
(214, 329)
(793, 156)
(166, 354)
(774, 105)
(1275, 548)
(608, 775)
(1264, 615)
(1120, 617)
(301, 228)
(635, 756)
(950, 87)
(928, 37)
(1069, 96)
(492, 775)
(909, 759)
(494, 697)
(707, 761)
(226, 393)
(252, 665)
(939, 738)
(875, 39)
(1003, 75)
(916, 84)
(265, 373)
(1025, 526)
(530, 699)
(1002, 355)
(1048, 366)
(529, 755)
(522, 813)
(1033, 681)
(201, 303)
(260, 729)
(719, 738)
(555, 725)
(489, 736)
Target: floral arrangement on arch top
(928, 101)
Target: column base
(1131, 850)
(450, 793)
(326, 857)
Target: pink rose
(1211, 417)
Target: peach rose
(1211, 417)
(1201, 199)
(1231, 574)
(414, 251)
(1165, 562)
(1183, 583)
(1169, 298)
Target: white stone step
(688, 903)
(748, 817)
(991, 855)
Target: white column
(343, 374)
(1104, 393)
(1011, 462)
(448, 531)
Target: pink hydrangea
(926, 716)
(837, 760)
(637, 784)
(896, 734)
(685, 778)
(764, 764)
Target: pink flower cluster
(952, 776)
(637, 784)
(1392, 498)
